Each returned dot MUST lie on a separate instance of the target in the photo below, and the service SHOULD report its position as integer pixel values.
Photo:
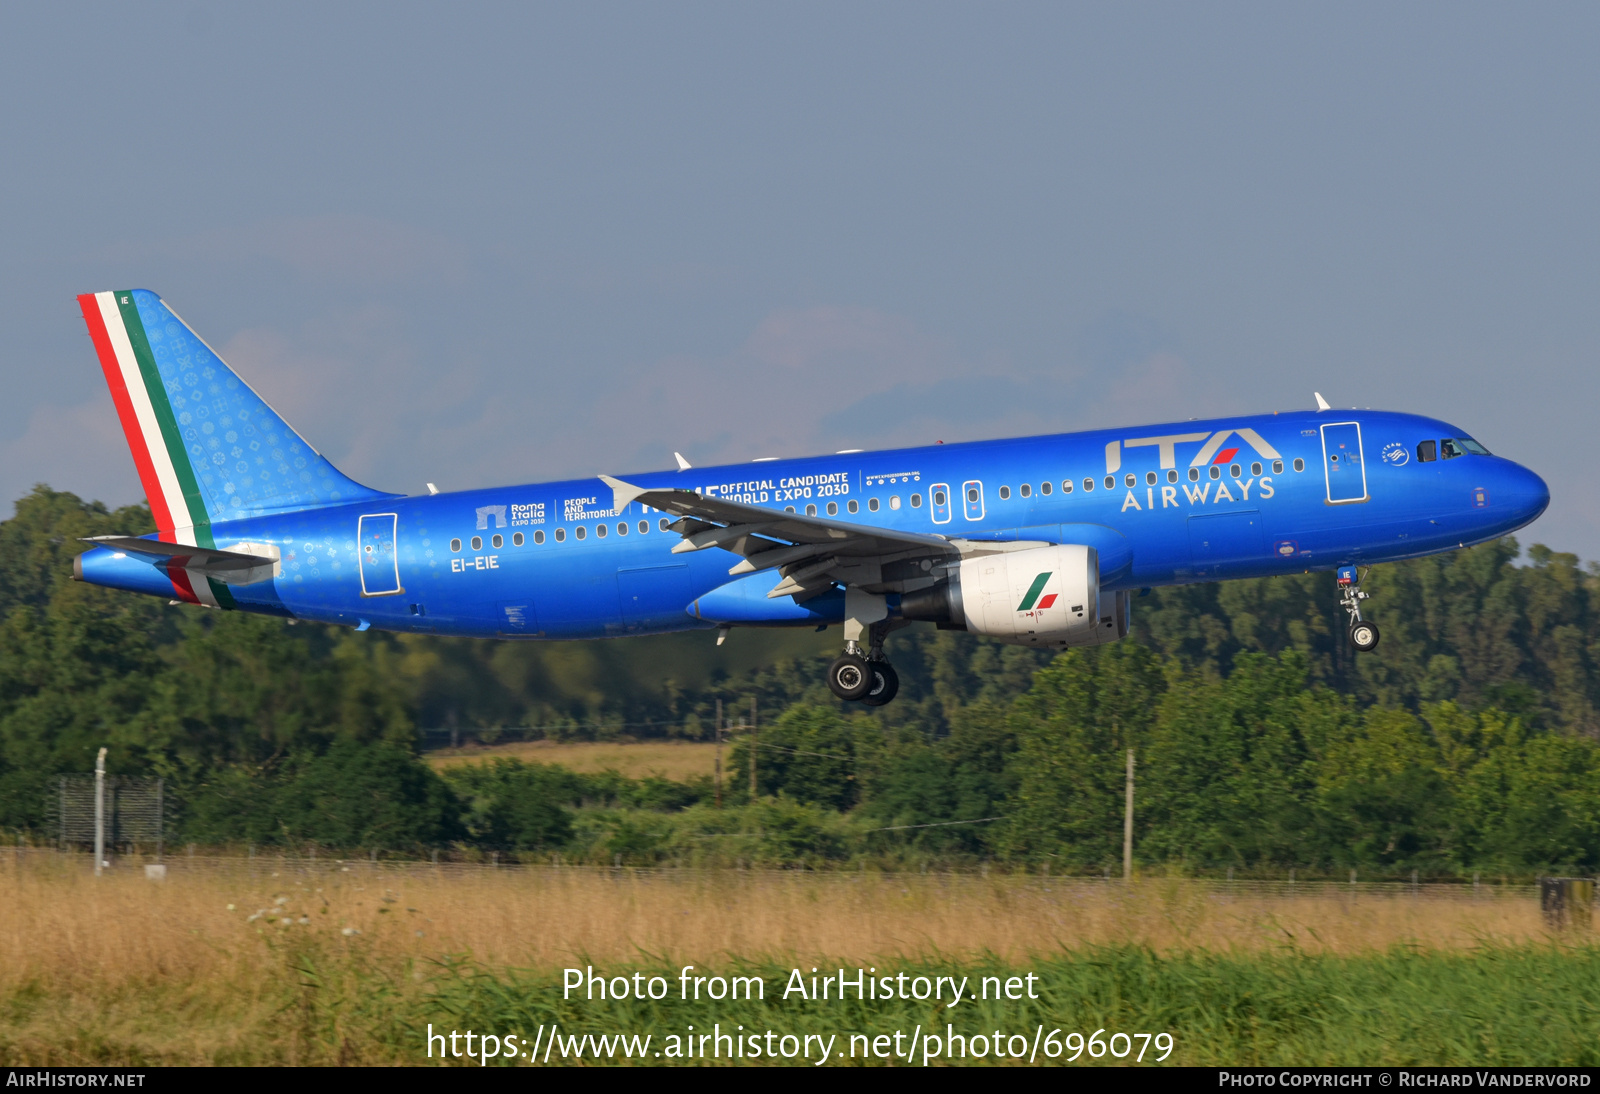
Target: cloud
(356, 383)
(78, 448)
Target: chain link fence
(136, 811)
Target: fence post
(1127, 825)
(99, 811)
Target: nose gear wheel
(1363, 634)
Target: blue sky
(481, 244)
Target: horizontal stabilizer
(236, 567)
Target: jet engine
(1042, 596)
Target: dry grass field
(676, 760)
(287, 963)
(62, 924)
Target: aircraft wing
(811, 553)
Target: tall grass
(348, 963)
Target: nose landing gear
(1363, 635)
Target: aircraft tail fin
(207, 447)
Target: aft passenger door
(1343, 469)
(380, 564)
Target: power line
(936, 824)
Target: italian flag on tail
(165, 471)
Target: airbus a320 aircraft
(1036, 541)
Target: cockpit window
(1451, 448)
(1427, 451)
(1472, 446)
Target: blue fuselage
(1277, 494)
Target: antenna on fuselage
(683, 464)
(1322, 404)
(432, 489)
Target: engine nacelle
(1044, 596)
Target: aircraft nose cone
(1526, 492)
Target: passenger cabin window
(644, 526)
(833, 508)
(516, 539)
(538, 537)
(1172, 476)
(1111, 482)
(455, 545)
(872, 504)
(665, 523)
(1255, 469)
(561, 535)
(498, 541)
(1129, 480)
(1452, 449)
(1277, 467)
(580, 531)
(1024, 489)
(1066, 486)
(477, 543)
(1149, 478)
(1194, 474)
(1299, 464)
(1005, 492)
(894, 501)
(1088, 485)
(622, 528)
(1216, 472)
(1427, 451)
(916, 501)
(1044, 488)
(1234, 470)
(600, 530)
(938, 498)
(854, 506)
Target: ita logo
(1395, 454)
(1029, 600)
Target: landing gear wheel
(849, 677)
(1364, 636)
(885, 684)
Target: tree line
(1466, 742)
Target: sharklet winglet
(622, 493)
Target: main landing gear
(1363, 635)
(864, 678)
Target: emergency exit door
(1343, 468)
(380, 563)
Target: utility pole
(719, 753)
(1127, 826)
(755, 740)
(99, 812)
